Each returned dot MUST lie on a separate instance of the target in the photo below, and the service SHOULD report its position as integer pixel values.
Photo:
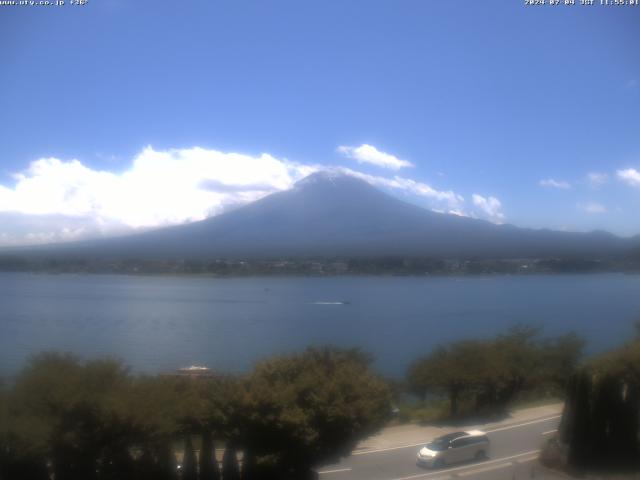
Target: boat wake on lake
(330, 303)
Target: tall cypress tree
(26, 468)
(579, 435)
(189, 468)
(166, 462)
(230, 470)
(249, 466)
(602, 434)
(568, 415)
(208, 463)
(631, 424)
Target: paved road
(514, 449)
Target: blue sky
(124, 115)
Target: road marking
(485, 469)
(431, 474)
(527, 460)
(367, 452)
(549, 431)
(540, 420)
(524, 424)
(337, 470)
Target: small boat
(194, 371)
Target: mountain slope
(338, 215)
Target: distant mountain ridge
(337, 215)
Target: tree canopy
(94, 420)
(493, 372)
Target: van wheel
(439, 463)
(480, 455)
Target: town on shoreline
(320, 266)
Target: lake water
(161, 323)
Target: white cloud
(55, 200)
(551, 183)
(593, 208)
(458, 213)
(370, 154)
(20, 228)
(490, 207)
(452, 200)
(630, 176)
(159, 188)
(597, 179)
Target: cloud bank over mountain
(55, 199)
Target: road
(514, 449)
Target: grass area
(536, 399)
(436, 409)
(422, 411)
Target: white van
(455, 447)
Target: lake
(161, 323)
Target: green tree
(456, 370)
(249, 468)
(73, 410)
(22, 445)
(208, 462)
(230, 469)
(155, 406)
(560, 359)
(312, 407)
(496, 371)
(601, 422)
(189, 466)
(515, 358)
(208, 406)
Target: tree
(601, 422)
(208, 407)
(154, 405)
(494, 372)
(189, 467)
(249, 470)
(208, 462)
(576, 428)
(230, 469)
(93, 420)
(21, 457)
(560, 358)
(312, 407)
(455, 371)
(165, 464)
(73, 409)
(516, 356)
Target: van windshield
(438, 445)
(443, 442)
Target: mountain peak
(326, 177)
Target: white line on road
(431, 474)
(367, 452)
(388, 449)
(527, 460)
(549, 431)
(485, 469)
(337, 470)
(523, 424)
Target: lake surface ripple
(161, 323)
